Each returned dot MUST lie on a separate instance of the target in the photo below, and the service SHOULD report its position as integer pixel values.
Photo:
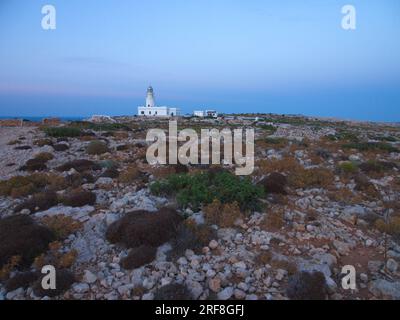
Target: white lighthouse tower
(150, 109)
(150, 98)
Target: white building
(206, 113)
(199, 113)
(151, 110)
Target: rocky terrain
(82, 197)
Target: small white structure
(151, 110)
(206, 113)
(199, 113)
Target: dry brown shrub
(345, 195)
(285, 165)
(129, 175)
(310, 178)
(144, 228)
(55, 257)
(223, 215)
(273, 220)
(61, 225)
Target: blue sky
(284, 56)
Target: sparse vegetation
(307, 286)
(97, 147)
(195, 190)
(371, 146)
(138, 257)
(144, 228)
(57, 132)
(61, 225)
(311, 178)
(224, 215)
(274, 183)
(21, 236)
(78, 198)
(348, 167)
(79, 165)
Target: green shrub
(376, 166)
(348, 167)
(371, 146)
(97, 147)
(99, 126)
(202, 188)
(268, 127)
(57, 132)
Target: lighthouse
(150, 109)
(150, 98)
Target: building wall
(158, 112)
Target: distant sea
(39, 119)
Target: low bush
(44, 156)
(39, 202)
(348, 167)
(144, 228)
(21, 236)
(373, 166)
(97, 147)
(392, 226)
(79, 165)
(56, 257)
(64, 280)
(311, 178)
(274, 183)
(371, 146)
(110, 173)
(60, 147)
(286, 165)
(273, 220)
(61, 225)
(307, 286)
(18, 186)
(34, 165)
(57, 132)
(100, 126)
(173, 291)
(130, 174)
(202, 188)
(43, 142)
(138, 257)
(224, 215)
(191, 236)
(78, 198)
